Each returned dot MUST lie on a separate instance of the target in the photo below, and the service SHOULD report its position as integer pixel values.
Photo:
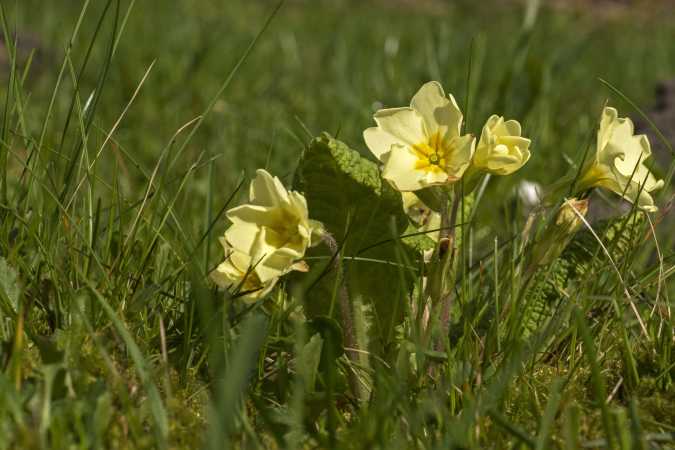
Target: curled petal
(440, 113)
(267, 190)
(618, 162)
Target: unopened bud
(557, 236)
(570, 215)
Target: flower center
(431, 155)
(501, 149)
(251, 282)
(284, 231)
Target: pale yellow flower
(501, 149)
(238, 271)
(421, 145)
(274, 229)
(426, 219)
(618, 162)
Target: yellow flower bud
(558, 235)
(501, 149)
(569, 218)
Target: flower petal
(404, 124)
(502, 164)
(459, 159)
(240, 260)
(637, 194)
(298, 205)
(646, 202)
(259, 215)
(607, 124)
(267, 190)
(512, 128)
(378, 141)
(274, 265)
(242, 236)
(399, 169)
(252, 289)
(440, 113)
(493, 122)
(225, 275)
(435, 177)
(632, 150)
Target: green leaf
(417, 241)
(334, 176)
(9, 284)
(49, 350)
(431, 197)
(344, 190)
(309, 359)
(331, 335)
(579, 257)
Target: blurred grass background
(330, 64)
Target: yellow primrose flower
(274, 228)
(618, 162)
(424, 217)
(238, 271)
(421, 145)
(501, 149)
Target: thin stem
(351, 347)
(446, 264)
(453, 218)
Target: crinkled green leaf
(344, 190)
(416, 241)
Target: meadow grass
(137, 124)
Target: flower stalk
(346, 312)
(446, 264)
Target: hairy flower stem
(345, 311)
(446, 265)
